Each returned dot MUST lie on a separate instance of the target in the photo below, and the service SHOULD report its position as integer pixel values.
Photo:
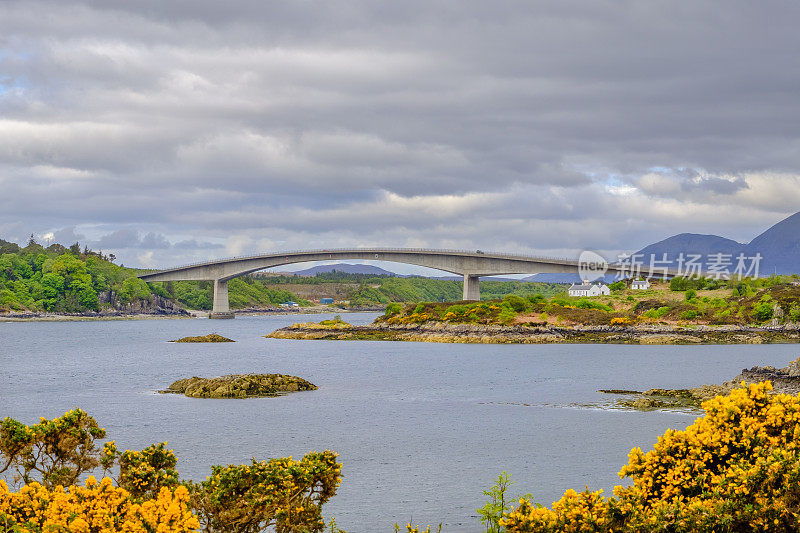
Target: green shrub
(688, 315)
(506, 315)
(581, 303)
(764, 309)
(158, 289)
(742, 289)
(499, 503)
(698, 283)
(617, 286)
(690, 295)
(392, 309)
(133, 289)
(515, 302)
(586, 303)
(457, 309)
(719, 303)
(657, 313)
(722, 315)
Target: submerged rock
(240, 386)
(212, 337)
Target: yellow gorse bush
(283, 493)
(94, 507)
(735, 469)
(150, 497)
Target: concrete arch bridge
(471, 265)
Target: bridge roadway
(470, 265)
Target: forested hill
(68, 280)
(60, 279)
(71, 280)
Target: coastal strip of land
(521, 334)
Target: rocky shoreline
(784, 381)
(111, 309)
(167, 312)
(82, 317)
(520, 334)
(314, 309)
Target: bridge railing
(501, 255)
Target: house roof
(585, 286)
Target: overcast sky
(176, 131)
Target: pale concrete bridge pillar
(220, 307)
(472, 290)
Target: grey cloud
(123, 238)
(67, 236)
(154, 240)
(131, 239)
(690, 184)
(300, 119)
(717, 185)
(193, 244)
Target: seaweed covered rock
(240, 386)
(211, 337)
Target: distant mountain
(345, 268)
(779, 247)
(453, 277)
(565, 278)
(693, 243)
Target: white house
(640, 284)
(589, 289)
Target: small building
(640, 284)
(589, 289)
(326, 300)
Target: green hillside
(58, 279)
(61, 279)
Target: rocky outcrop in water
(239, 386)
(784, 381)
(211, 337)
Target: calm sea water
(421, 429)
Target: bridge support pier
(472, 290)
(220, 308)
